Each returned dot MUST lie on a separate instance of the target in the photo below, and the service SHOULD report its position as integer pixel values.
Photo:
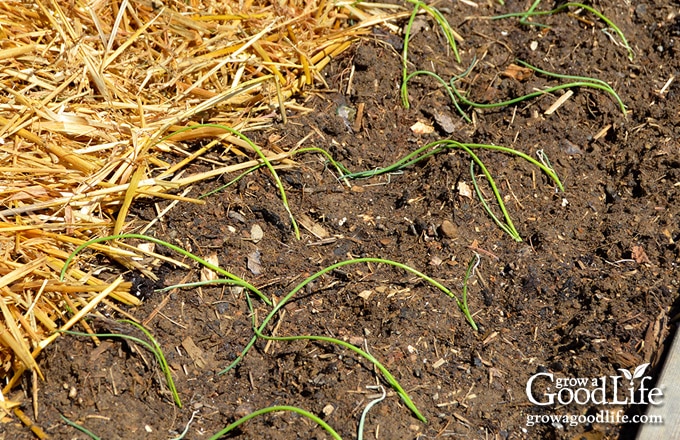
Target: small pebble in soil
(445, 122)
(253, 262)
(448, 229)
(236, 216)
(256, 233)
(328, 410)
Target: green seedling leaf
(472, 266)
(79, 428)
(158, 352)
(262, 411)
(458, 98)
(388, 377)
(443, 24)
(385, 372)
(508, 226)
(338, 166)
(231, 182)
(236, 280)
(505, 227)
(153, 347)
(263, 158)
(603, 85)
(440, 146)
(532, 12)
(584, 82)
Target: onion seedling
(277, 408)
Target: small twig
(483, 251)
(275, 330)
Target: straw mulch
(89, 92)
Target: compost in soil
(589, 290)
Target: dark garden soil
(592, 288)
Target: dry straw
(89, 92)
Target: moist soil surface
(591, 288)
